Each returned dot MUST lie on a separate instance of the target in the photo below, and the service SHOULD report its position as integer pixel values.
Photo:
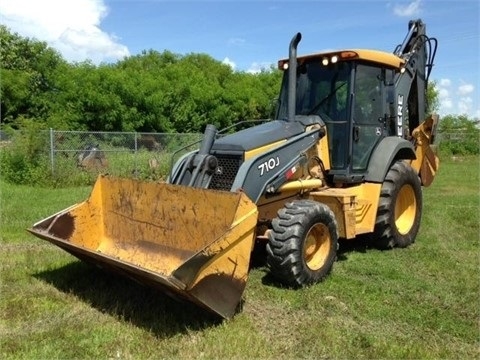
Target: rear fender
(388, 150)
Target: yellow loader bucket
(190, 242)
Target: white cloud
(446, 106)
(457, 99)
(445, 101)
(72, 27)
(411, 9)
(465, 105)
(236, 41)
(443, 93)
(465, 89)
(445, 82)
(230, 63)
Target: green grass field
(419, 302)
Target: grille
(226, 172)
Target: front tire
(400, 208)
(303, 243)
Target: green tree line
(153, 91)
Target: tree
(432, 99)
(28, 76)
(152, 91)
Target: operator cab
(351, 91)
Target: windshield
(323, 90)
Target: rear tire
(399, 209)
(303, 243)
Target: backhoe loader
(347, 154)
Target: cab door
(368, 114)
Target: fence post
(135, 156)
(52, 152)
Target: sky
(252, 35)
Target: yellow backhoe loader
(347, 154)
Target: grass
(419, 302)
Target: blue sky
(250, 35)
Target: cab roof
(379, 57)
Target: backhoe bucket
(190, 242)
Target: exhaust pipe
(292, 76)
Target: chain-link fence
(77, 157)
(144, 155)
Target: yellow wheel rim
(317, 246)
(405, 209)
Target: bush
(459, 136)
(22, 159)
(460, 145)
